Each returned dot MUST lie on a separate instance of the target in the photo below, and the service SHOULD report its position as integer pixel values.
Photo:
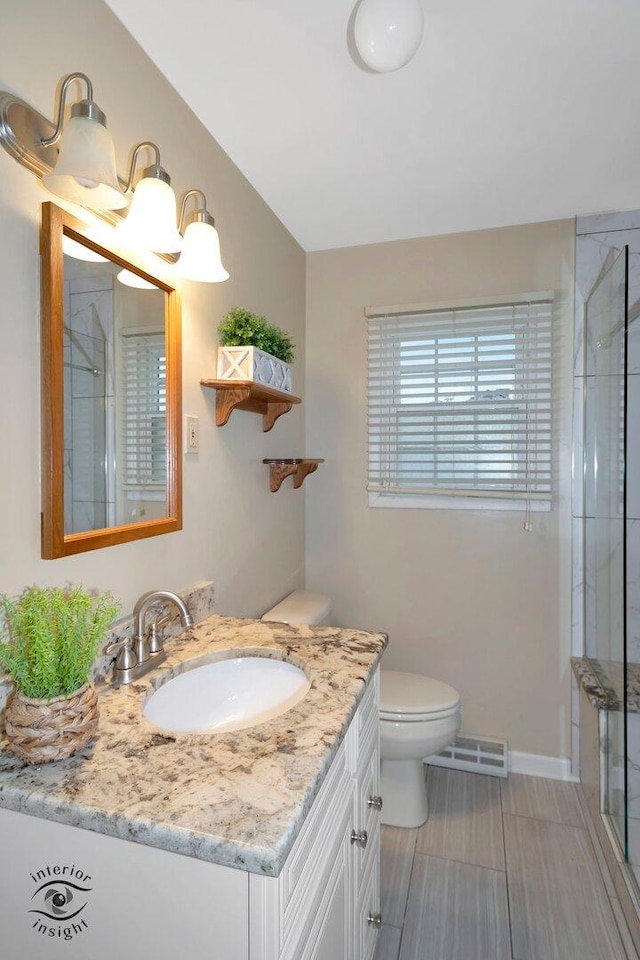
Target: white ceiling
(512, 110)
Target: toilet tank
(301, 606)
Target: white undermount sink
(229, 694)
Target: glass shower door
(605, 519)
(632, 557)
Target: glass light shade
(78, 251)
(86, 169)
(131, 279)
(151, 221)
(200, 258)
(388, 32)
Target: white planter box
(249, 363)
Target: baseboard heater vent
(475, 754)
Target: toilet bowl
(418, 718)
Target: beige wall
(247, 540)
(466, 596)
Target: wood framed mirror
(111, 393)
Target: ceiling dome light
(388, 32)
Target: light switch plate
(191, 434)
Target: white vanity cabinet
(325, 903)
(140, 901)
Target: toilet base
(404, 793)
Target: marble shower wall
(599, 241)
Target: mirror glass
(115, 398)
(110, 392)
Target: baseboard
(535, 765)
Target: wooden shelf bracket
(247, 395)
(298, 468)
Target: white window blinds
(460, 400)
(144, 410)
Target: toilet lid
(413, 695)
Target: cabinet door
(332, 941)
(131, 900)
(366, 859)
(368, 906)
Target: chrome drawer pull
(359, 838)
(375, 802)
(374, 920)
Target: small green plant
(54, 635)
(241, 328)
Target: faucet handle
(126, 658)
(156, 643)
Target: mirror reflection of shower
(75, 340)
(88, 428)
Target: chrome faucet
(140, 653)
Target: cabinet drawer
(368, 818)
(366, 719)
(369, 788)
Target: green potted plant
(253, 349)
(54, 636)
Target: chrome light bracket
(22, 130)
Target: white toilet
(418, 718)
(301, 606)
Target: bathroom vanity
(258, 844)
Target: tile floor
(502, 870)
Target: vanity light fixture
(86, 169)
(388, 32)
(200, 258)
(151, 222)
(83, 168)
(76, 161)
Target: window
(144, 408)
(460, 403)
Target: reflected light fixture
(150, 224)
(131, 279)
(388, 32)
(83, 168)
(71, 248)
(200, 258)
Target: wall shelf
(298, 468)
(248, 395)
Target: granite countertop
(603, 681)
(236, 798)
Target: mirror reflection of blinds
(460, 401)
(144, 410)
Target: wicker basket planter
(250, 363)
(39, 731)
